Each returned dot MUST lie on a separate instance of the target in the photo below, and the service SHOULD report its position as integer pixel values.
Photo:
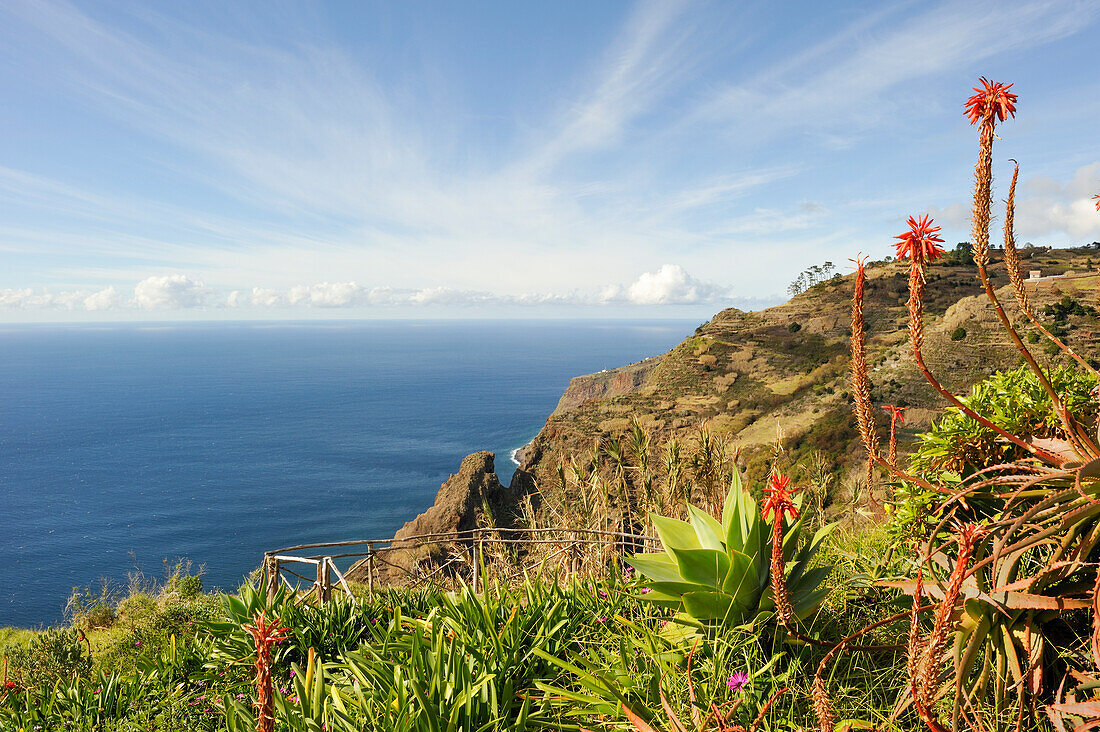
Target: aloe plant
(719, 572)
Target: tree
(811, 276)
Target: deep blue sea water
(124, 445)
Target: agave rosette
(718, 572)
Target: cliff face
(605, 384)
(783, 370)
(473, 493)
(470, 498)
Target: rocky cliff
(471, 498)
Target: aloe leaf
(742, 581)
(730, 507)
(657, 567)
(708, 531)
(709, 605)
(675, 534)
(702, 566)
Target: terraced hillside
(753, 376)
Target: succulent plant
(718, 573)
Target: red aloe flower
(920, 242)
(1097, 199)
(778, 501)
(896, 413)
(265, 634)
(992, 100)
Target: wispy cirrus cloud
(273, 152)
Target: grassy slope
(755, 375)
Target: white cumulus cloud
(672, 285)
(326, 294)
(106, 299)
(669, 285)
(170, 292)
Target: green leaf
(702, 566)
(656, 567)
(707, 530)
(742, 581)
(675, 534)
(709, 605)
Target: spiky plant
(265, 634)
(1035, 555)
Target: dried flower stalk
(823, 706)
(928, 669)
(860, 380)
(897, 416)
(1016, 275)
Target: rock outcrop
(471, 498)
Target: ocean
(122, 446)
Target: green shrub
(1013, 400)
(958, 334)
(57, 653)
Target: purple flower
(601, 620)
(292, 673)
(137, 644)
(646, 590)
(603, 593)
(737, 681)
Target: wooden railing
(467, 548)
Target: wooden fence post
(271, 575)
(323, 580)
(370, 571)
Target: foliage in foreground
(536, 656)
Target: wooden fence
(467, 548)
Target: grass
(530, 656)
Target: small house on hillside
(1035, 274)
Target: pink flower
(737, 680)
(646, 590)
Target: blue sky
(415, 159)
